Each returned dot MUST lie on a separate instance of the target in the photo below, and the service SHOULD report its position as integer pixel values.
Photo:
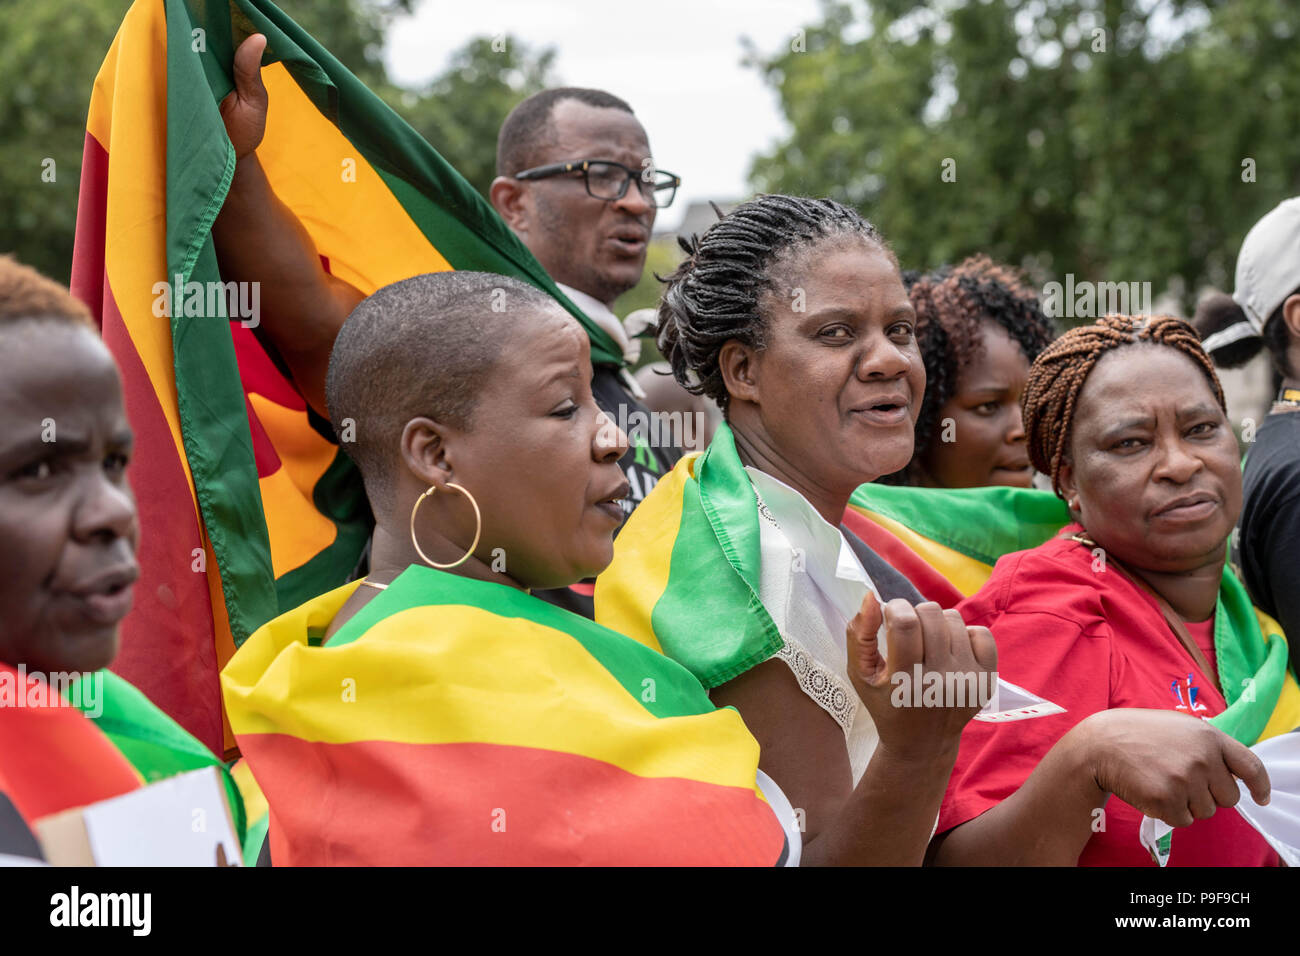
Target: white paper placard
(180, 821)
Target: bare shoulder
(802, 747)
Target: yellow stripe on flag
(1286, 714)
(965, 574)
(297, 530)
(128, 116)
(642, 569)
(350, 213)
(476, 677)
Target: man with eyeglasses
(585, 208)
(577, 184)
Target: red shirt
(1088, 640)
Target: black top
(1267, 539)
(648, 459)
(15, 838)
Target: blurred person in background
(1264, 313)
(68, 538)
(979, 327)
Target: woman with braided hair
(1129, 619)
(978, 327)
(791, 315)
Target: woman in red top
(1113, 620)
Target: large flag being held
(247, 505)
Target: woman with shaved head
(436, 712)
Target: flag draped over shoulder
(247, 505)
(686, 568)
(94, 739)
(685, 575)
(454, 721)
(946, 540)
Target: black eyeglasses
(608, 180)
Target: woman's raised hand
(916, 713)
(244, 109)
(1171, 766)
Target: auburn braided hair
(714, 295)
(952, 304)
(1058, 374)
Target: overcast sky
(677, 62)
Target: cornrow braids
(1058, 374)
(714, 296)
(952, 303)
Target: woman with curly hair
(978, 327)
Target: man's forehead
(582, 131)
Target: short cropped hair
(527, 130)
(423, 346)
(26, 294)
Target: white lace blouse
(812, 584)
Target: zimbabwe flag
(687, 565)
(247, 505)
(946, 540)
(95, 739)
(454, 721)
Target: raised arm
(259, 239)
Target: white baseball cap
(1268, 265)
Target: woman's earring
(478, 527)
(1073, 504)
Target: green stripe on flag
(981, 523)
(154, 744)
(676, 692)
(339, 496)
(1252, 666)
(210, 398)
(711, 621)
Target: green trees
(1129, 140)
(49, 55)
(50, 52)
(462, 109)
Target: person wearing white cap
(1267, 313)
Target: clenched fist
(941, 643)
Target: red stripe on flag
(932, 585)
(92, 211)
(168, 646)
(53, 758)
(400, 804)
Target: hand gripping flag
(247, 505)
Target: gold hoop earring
(478, 527)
